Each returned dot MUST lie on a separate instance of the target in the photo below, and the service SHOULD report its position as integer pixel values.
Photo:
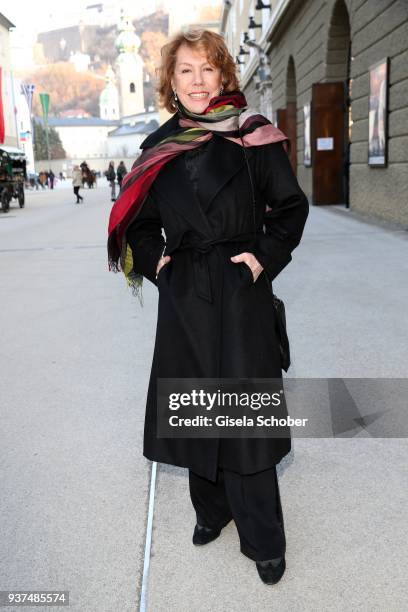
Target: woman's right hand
(162, 262)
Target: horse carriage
(13, 175)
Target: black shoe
(204, 535)
(271, 571)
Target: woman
(215, 313)
(77, 183)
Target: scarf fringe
(134, 281)
(136, 285)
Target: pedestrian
(51, 179)
(205, 177)
(42, 177)
(111, 176)
(120, 173)
(77, 183)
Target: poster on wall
(377, 114)
(307, 153)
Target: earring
(175, 95)
(221, 90)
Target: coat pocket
(246, 274)
(162, 272)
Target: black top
(193, 160)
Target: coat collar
(170, 126)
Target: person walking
(216, 177)
(111, 176)
(42, 177)
(120, 173)
(77, 183)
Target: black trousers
(253, 501)
(76, 192)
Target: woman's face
(194, 79)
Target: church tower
(129, 70)
(109, 98)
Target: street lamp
(260, 5)
(242, 51)
(252, 24)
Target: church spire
(129, 69)
(127, 40)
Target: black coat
(213, 320)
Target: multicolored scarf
(227, 115)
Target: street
(76, 351)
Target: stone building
(333, 75)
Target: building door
(329, 143)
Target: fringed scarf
(227, 115)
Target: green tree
(57, 151)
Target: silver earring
(175, 95)
(221, 90)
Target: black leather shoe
(204, 535)
(271, 571)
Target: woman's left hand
(251, 261)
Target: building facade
(333, 75)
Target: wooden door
(328, 142)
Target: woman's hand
(162, 262)
(251, 261)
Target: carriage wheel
(21, 196)
(5, 200)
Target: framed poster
(378, 114)
(307, 151)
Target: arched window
(132, 88)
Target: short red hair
(212, 44)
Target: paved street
(76, 351)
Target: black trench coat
(213, 320)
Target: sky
(36, 16)
(30, 18)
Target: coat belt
(200, 248)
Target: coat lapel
(222, 160)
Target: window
(132, 88)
